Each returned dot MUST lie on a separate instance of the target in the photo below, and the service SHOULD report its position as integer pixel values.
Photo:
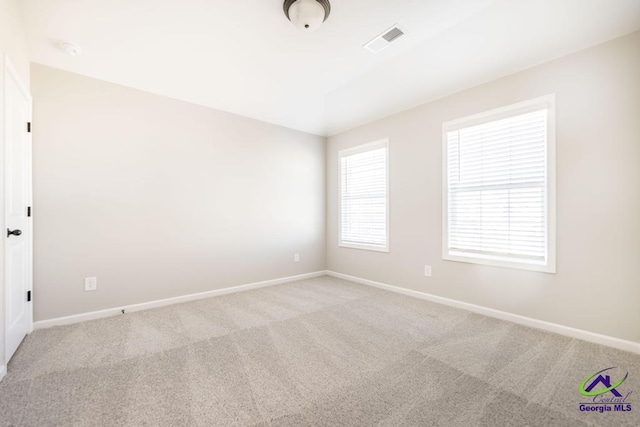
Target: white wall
(159, 198)
(597, 285)
(13, 44)
(13, 41)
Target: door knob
(14, 232)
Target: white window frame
(355, 150)
(544, 102)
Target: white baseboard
(76, 318)
(580, 334)
(3, 371)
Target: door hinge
(28, 296)
(29, 127)
(28, 210)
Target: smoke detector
(71, 48)
(307, 15)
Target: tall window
(364, 195)
(499, 187)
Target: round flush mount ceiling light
(71, 48)
(307, 15)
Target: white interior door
(17, 230)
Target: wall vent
(385, 39)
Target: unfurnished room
(320, 213)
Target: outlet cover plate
(90, 283)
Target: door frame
(9, 72)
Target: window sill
(364, 247)
(501, 262)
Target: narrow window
(364, 195)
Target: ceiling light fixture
(71, 48)
(307, 15)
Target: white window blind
(497, 189)
(363, 196)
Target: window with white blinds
(364, 196)
(498, 187)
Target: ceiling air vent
(384, 39)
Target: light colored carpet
(316, 352)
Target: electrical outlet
(296, 258)
(90, 283)
(427, 270)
